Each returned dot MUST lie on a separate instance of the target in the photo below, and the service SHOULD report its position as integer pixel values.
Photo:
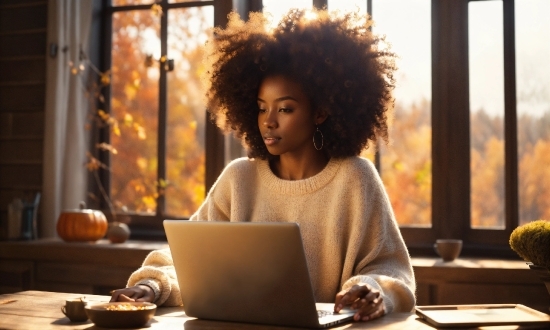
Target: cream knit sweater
(347, 224)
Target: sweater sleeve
(381, 256)
(157, 272)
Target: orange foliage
(487, 169)
(487, 185)
(534, 182)
(135, 103)
(407, 165)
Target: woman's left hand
(363, 298)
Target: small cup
(448, 249)
(74, 310)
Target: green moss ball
(531, 242)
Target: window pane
(361, 7)
(132, 2)
(134, 105)
(486, 74)
(186, 111)
(176, 1)
(348, 5)
(406, 164)
(533, 106)
(277, 8)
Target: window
(348, 5)
(471, 135)
(277, 8)
(474, 127)
(533, 107)
(486, 81)
(158, 125)
(405, 165)
(371, 152)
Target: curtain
(65, 136)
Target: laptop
(246, 272)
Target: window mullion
(215, 141)
(510, 119)
(450, 120)
(377, 156)
(319, 4)
(104, 132)
(161, 170)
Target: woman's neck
(292, 168)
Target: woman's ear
(320, 117)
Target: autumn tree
(407, 164)
(134, 104)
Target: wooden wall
(54, 265)
(23, 46)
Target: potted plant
(531, 242)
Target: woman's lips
(270, 140)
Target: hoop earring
(317, 130)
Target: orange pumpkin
(83, 225)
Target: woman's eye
(260, 110)
(285, 110)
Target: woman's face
(285, 117)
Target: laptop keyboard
(323, 313)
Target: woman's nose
(270, 119)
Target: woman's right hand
(134, 293)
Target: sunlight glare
(311, 15)
(277, 8)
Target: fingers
(125, 298)
(369, 309)
(347, 298)
(374, 315)
(364, 299)
(135, 293)
(369, 297)
(122, 295)
(128, 294)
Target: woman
(305, 98)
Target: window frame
(150, 226)
(450, 130)
(451, 137)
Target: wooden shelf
(102, 252)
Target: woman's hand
(134, 293)
(364, 299)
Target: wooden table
(41, 310)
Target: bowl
(121, 314)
